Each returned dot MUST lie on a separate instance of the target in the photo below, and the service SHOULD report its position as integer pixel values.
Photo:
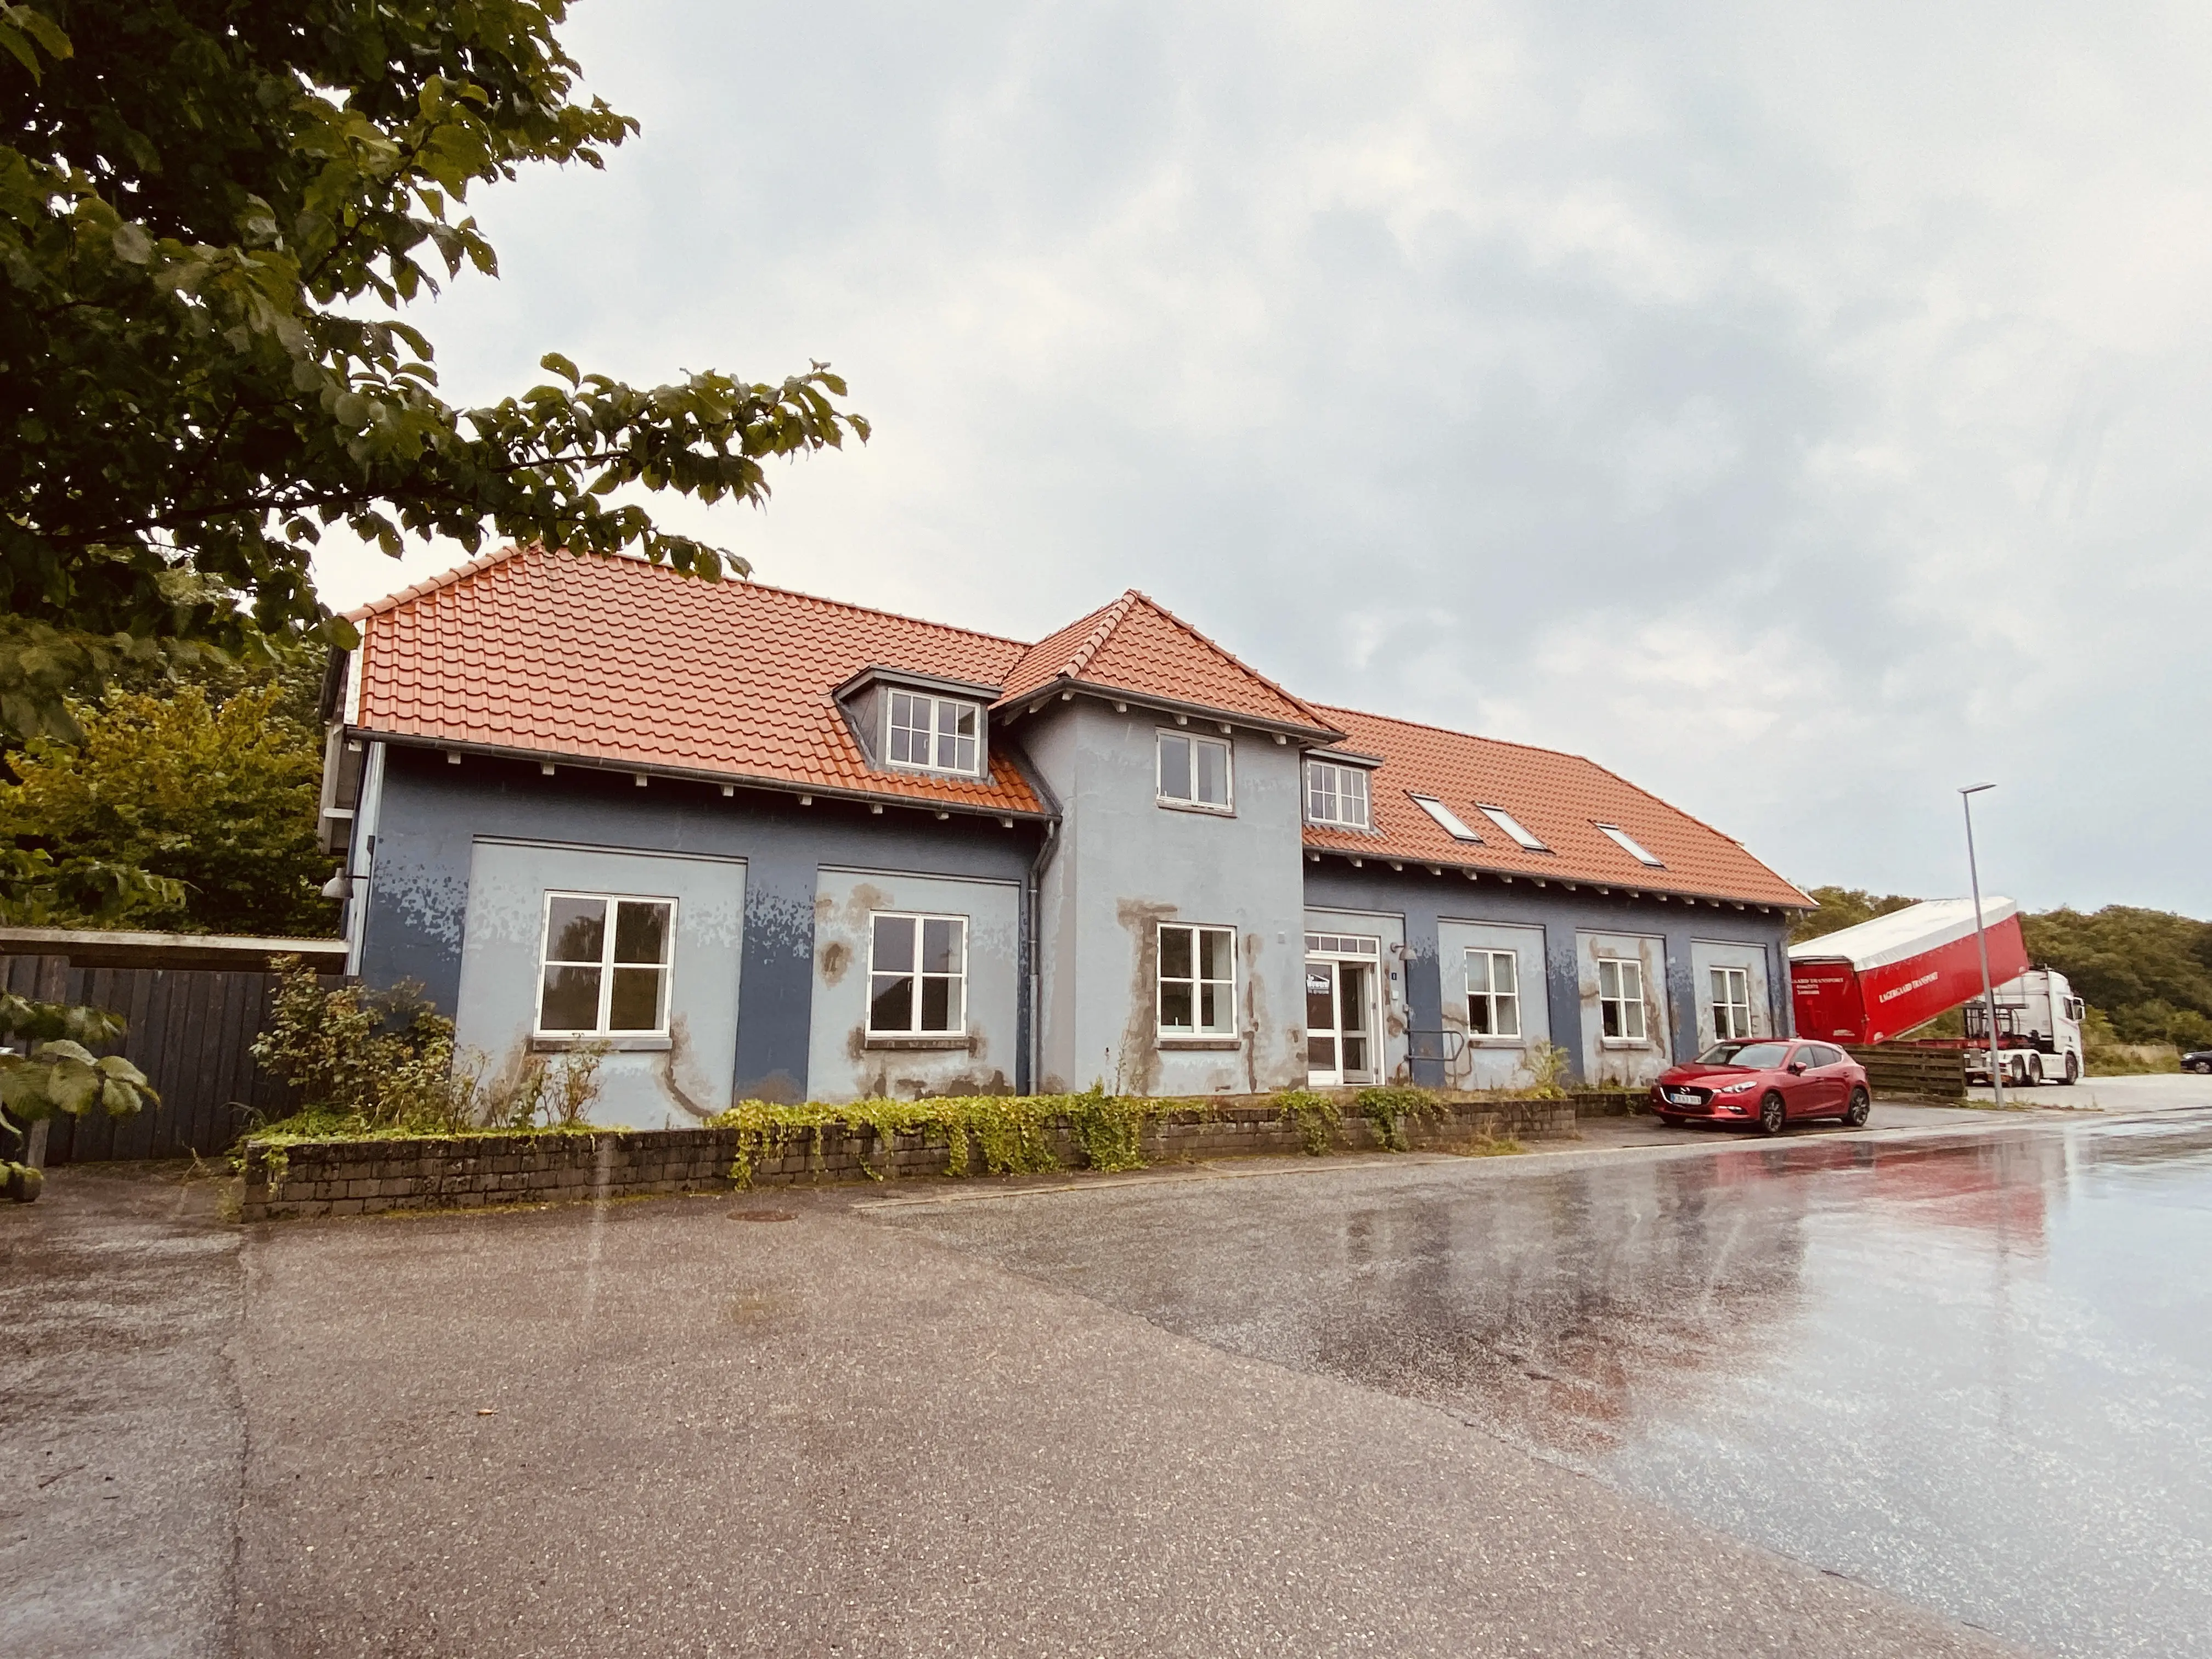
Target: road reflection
(1976, 1368)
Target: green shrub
(1317, 1116)
(1386, 1107)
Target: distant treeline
(2148, 972)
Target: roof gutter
(1399, 861)
(1064, 689)
(729, 781)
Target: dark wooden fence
(191, 1031)
(1907, 1068)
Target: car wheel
(1860, 1108)
(1773, 1115)
(1670, 1120)
(2072, 1068)
(2202, 1068)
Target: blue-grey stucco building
(750, 843)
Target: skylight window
(1628, 845)
(1449, 821)
(1511, 825)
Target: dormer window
(933, 734)
(1337, 795)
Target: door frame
(1334, 951)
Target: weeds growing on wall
(1318, 1118)
(1548, 1066)
(1006, 1134)
(1392, 1110)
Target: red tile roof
(1137, 646)
(1558, 798)
(625, 663)
(619, 661)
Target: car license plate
(1684, 1097)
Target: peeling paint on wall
(844, 1061)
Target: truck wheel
(1860, 1108)
(1773, 1115)
(2072, 1068)
(2035, 1070)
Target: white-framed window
(1620, 1000)
(1512, 826)
(1336, 794)
(1343, 944)
(1195, 772)
(917, 974)
(604, 965)
(1731, 991)
(1630, 845)
(1493, 993)
(1447, 820)
(935, 734)
(1198, 981)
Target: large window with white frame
(1620, 1000)
(1731, 994)
(1493, 994)
(1195, 772)
(1337, 795)
(1197, 981)
(917, 974)
(933, 734)
(604, 965)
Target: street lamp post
(1982, 942)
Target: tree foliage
(215, 804)
(2150, 971)
(211, 212)
(1842, 908)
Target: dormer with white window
(1339, 794)
(908, 722)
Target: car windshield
(1758, 1056)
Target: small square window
(598, 979)
(1337, 795)
(1194, 771)
(917, 974)
(1511, 825)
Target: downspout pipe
(1030, 1043)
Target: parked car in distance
(2198, 1060)
(1765, 1083)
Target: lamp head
(1976, 788)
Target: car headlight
(1737, 1088)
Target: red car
(1772, 1082)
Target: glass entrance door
(1341, 1019)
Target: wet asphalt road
(1976, 1370)
(1324, 1408)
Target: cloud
(1795, 409)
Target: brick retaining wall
(353, 1177)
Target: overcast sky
(1800, 410)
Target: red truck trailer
(1882, 978)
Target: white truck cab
(2038, 1032)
